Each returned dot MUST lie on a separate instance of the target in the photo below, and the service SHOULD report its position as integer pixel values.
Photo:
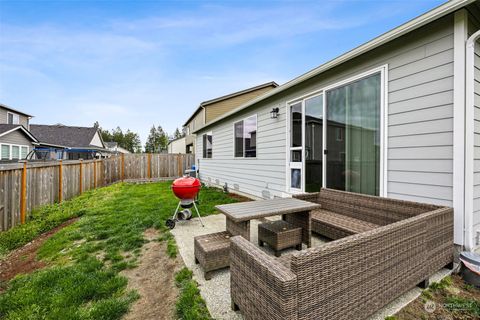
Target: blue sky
(137, 63)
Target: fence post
(80, 181)
(60, 181)
(23, 194)
(123, 166)
(149, 165)
(179, 165)
(94, 174)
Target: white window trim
(13, 114)
(383, 70)
(209, 133)
(256, 127)
(10, 150)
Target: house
(398, 116)
(210, 110)
(16, 142)
(114, 148)
(177, 145)
(66, 142)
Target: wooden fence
(29, 185)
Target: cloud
(137, 69)
(220, 26)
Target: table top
(244, 211)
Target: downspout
(469, 139)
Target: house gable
(16, 137)
(216, 109)
(97, 141)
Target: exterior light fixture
(274, 113)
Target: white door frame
(300, 164)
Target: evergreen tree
(157, 140)
(178, 134)
(128, 140)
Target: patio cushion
(335, 226)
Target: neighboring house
(397, 117)
(15, 140)
(9, 115)
(210, 110)
(113, 147)
(177, 145)
(67, 142)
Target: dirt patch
(154, 280)
(24, 259)
(458, 300)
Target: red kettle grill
(186, 190)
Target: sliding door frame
(383, 70)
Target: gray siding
(420, 122)
(17, 138)
(4, 118)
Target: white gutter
(469, 139)
(405, 28)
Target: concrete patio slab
(216, 291)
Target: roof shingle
(60, 135)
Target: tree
(128, 140)
(157, 140)
(178, 134)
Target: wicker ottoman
(280, 235)
(212, 251)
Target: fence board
(42, 186)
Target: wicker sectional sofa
(349, 278)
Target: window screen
(15, 152)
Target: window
(24, 152)
(15, 152)
(339, 134)
(207, 145)
(245, 139)
(238, 127)
(13, 118)
(5, 152)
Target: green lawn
(85, 258)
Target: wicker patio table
(294, 211)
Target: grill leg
(176, 211)
(198, 213)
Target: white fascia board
(20, 127)
(460, 37)
(469, 139)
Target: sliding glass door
(342, 152)
(353, 136)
